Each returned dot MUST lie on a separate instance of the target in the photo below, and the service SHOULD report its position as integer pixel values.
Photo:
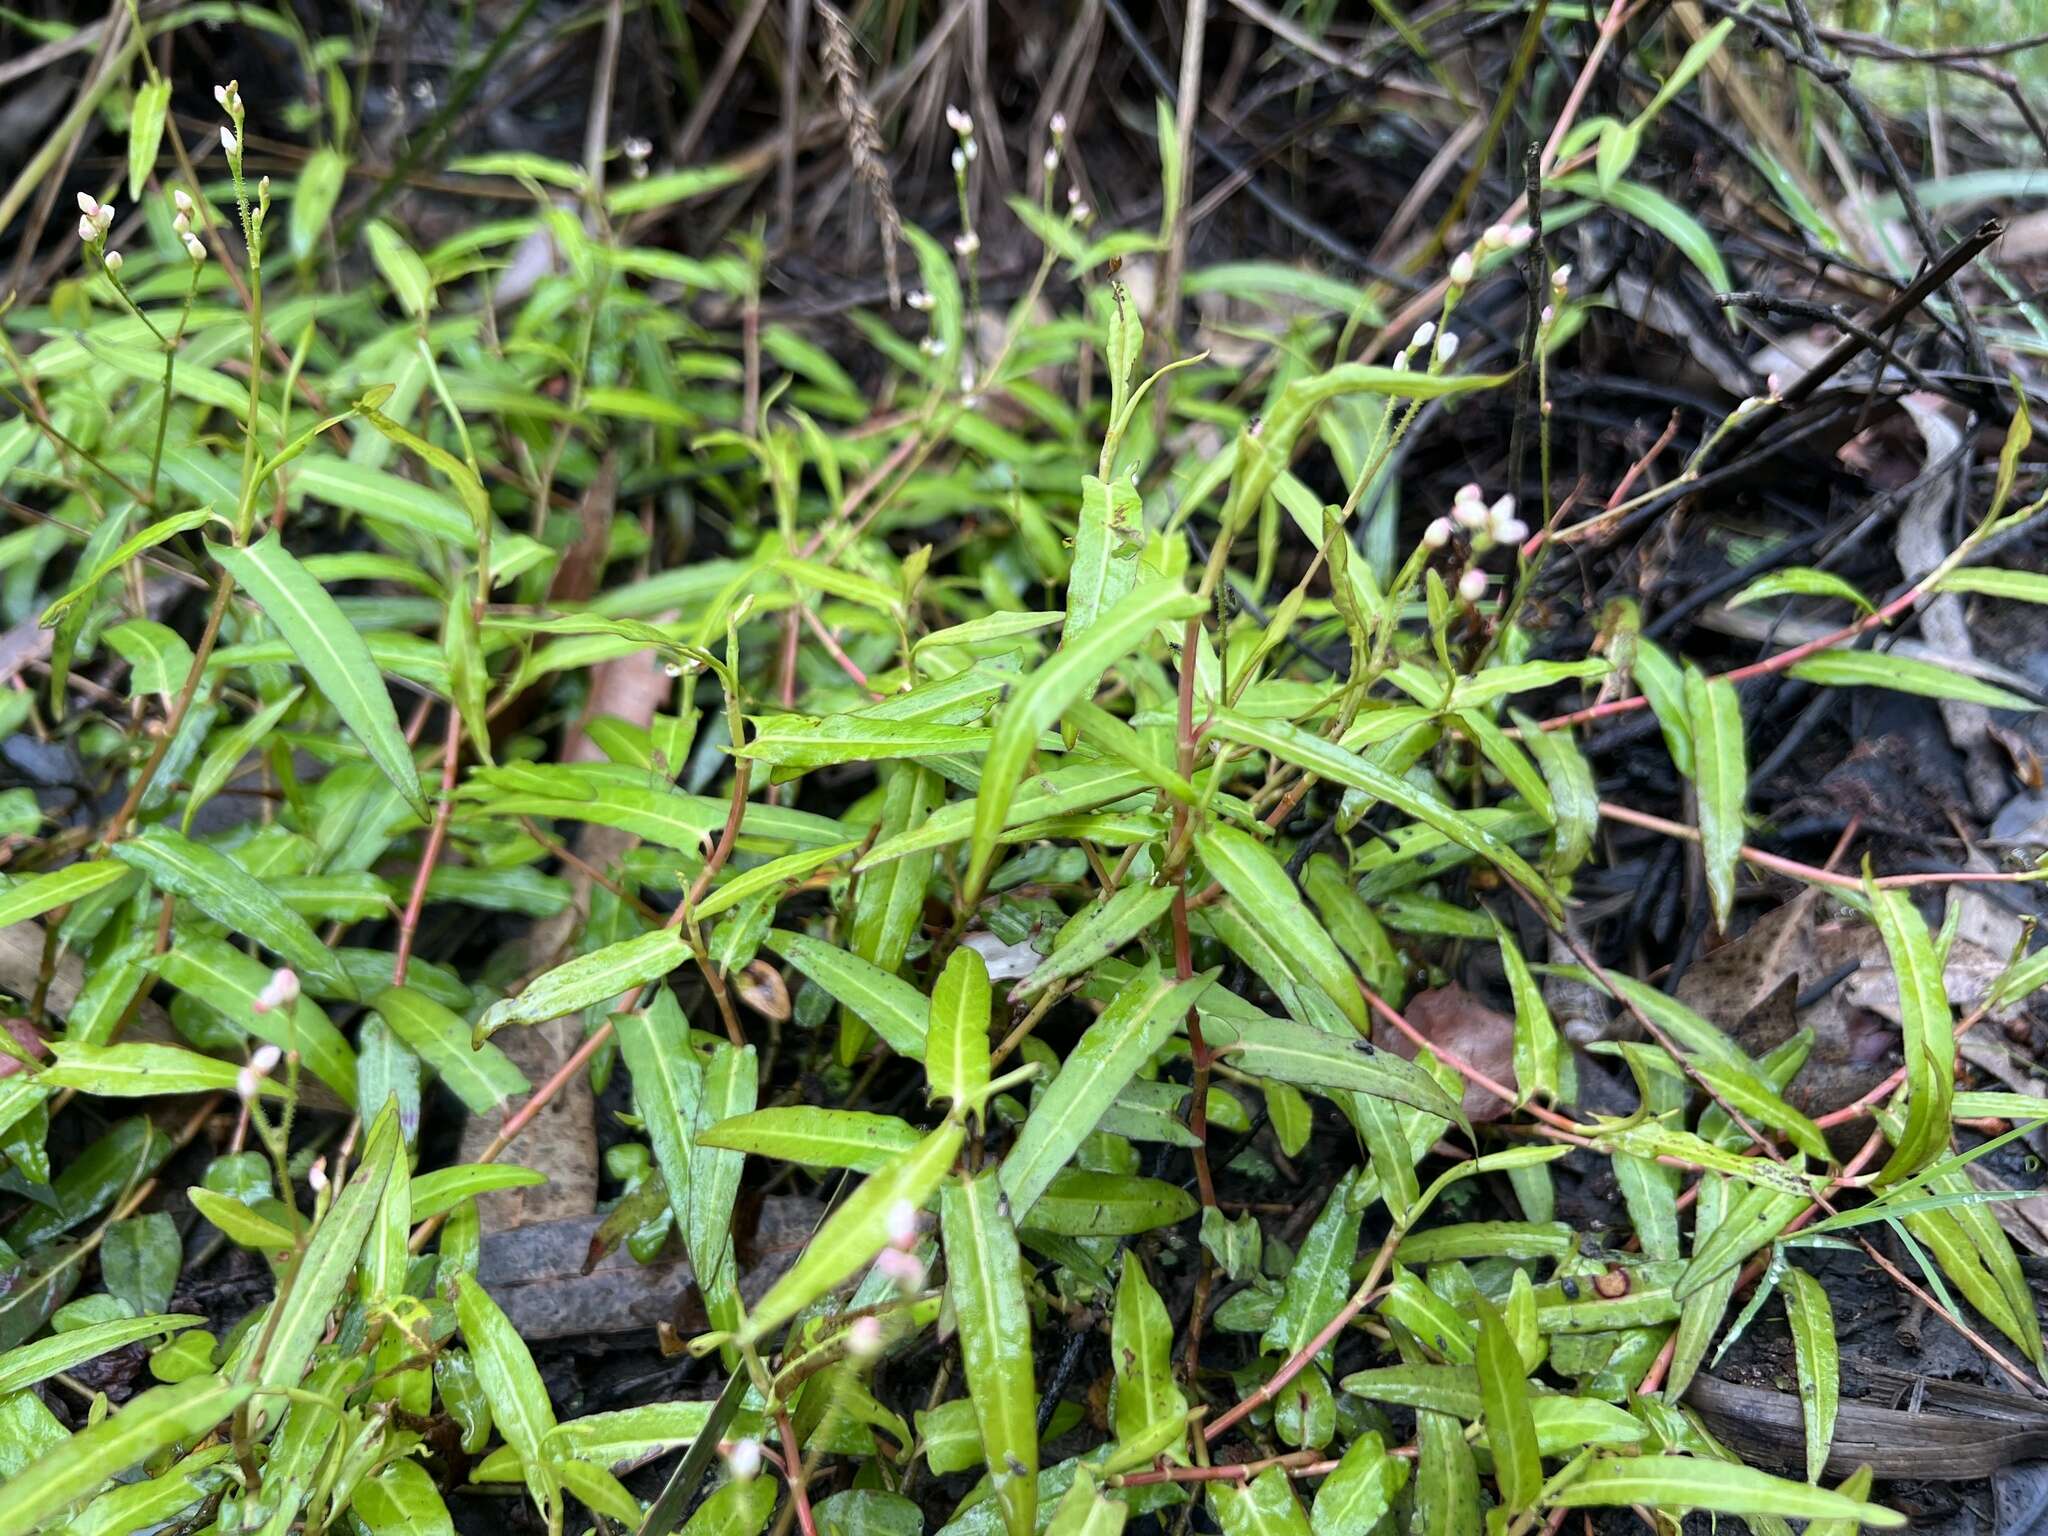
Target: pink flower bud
(901, 1225)
(281, 991)
(1472, 585)
(1438, 533)
(864, 1338)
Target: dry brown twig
(863, 137)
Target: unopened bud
(901, 1225)
(229, 142)
(1461, 269)
(1519, 235)
(262, 1062)
(281, 991)
(88, 204)
(194, 249)
(1495, 238)
(920, 300)
(1438, 533)
(87, 230)
(1058, 125)
(1447, 346)
(864, 1338)
(1051, 161)
(1561, 278)
(1512, 531)
(316, 1176)
(959, 162)
(1472, 585)
(743, 1460)
(1424, 334)
(905, 1269)
(967, 244)
(113, 261)
(181, 224)
(181, 200)
(959, 121)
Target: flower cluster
(181, 221)
(1484, 526)
(899, 1261)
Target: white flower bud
(1079, 213)
(636, 149)
(263, 189)
(967, 244)
(194, 249)
(1495, 238)
(905, 1269)
(743, 1460)
(1502, 510)
(181, 200)
(932, 346)
(1560, 278)
(316, 1176)
(901, 1225)
(1469, 491)
(1512, 531)
(262, 1062)
(864, 1338)
(104, 216)
(1438, 533)
(921, 301)
(1447, 346)
(1519, 235)
(1472, 585)
(1549, 314)
(1469, 515)
(229, 143)
(959, 162)
(1461, 269)
(181, 224)
(1424, 334)
(959, 121)
(1058, 125)
(1400, 362)
(972, 149)
(281, 991)
(88, 204)
(1051, 160)
(87, 230)
(220, 96)
(113, 261)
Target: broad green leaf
(1080, 1203)
(1928, 1029)
(956, 1053)
(1510, 1430)
(237, 900)
(139, 1071)
(1141, 1351)
(1446, 1478)
(146, 131)
(1360, 1492)
(857, 1231)
(28, 1364)
(1689, 1482)
(402, 1500)
(1127, 1035)
(147, 1424)
(481, 1076)
(1108, 541)
(442, 1189)
(1903, 674)
(1819, 1363)
(1305, 750)
(332, 652)
(1320, 1277)
(815, 1138)
(984, 1278)
(1085, 1511)
(312, 1288)
(587, 980)
(1265, 1506)
(1265, 897)
(1072, 674)
(887, 1004)
(27, 896)
(1721, 773)
(1800, 581)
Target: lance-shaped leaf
(1130, 1030)
(598, 977)
(731, 1082)
(887, 1004)
(1721, 776)
(1108, 541)
(139, 1071)
(1106, 929)
(856, 1232)
(815, 1138)
(482, 1076)
(1304, 749)
(1038, 702)
(1320, 1277)
(1141, 1351)
(985, 1281)
(149, 1423)
(1266, 898)
(1062, 791)
(237, 900)
(29, 896)
(1818, 1359)
(30, 1363)
(1928, 1030)
(1722, 1487)
(331, 650)
(668, 1090)
(956, 1048)
(511, 1383)
(1510, 1429)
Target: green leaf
(313, 1287)
(1446, 1478)
(510, 1381)
(668, 1090)
(1265, 1506)
(232, 750)
(887, 1004)
(31, 1363)
(1085, 1510)
(856, 1232)
(2020, 586)
(1103, 931)
(431, 1194)
(401, 268)
(146, 1425)
(155, 534)
(815, 1138)
(241, 1223)
(402, 1500)
(1141, 1351)
(1320, 1277)
(1265, 897)
(27, 896)
(587, 980)
(332, 652)
(1302, 748)
(984, 1278)
(1800, 581)
(237, 900)
(481, 1076)
(314, 195)
(146, 131)
(1059, 792)
(1536, 1040)
(1928, 1030)
(1510, 1430)
(1127, 1035)
(1081, 1203)
(1688, 1482)
(1108, 543)
(1038, 702)
(1360, 1492)
(956, 1053)
(228, 981)
(1721, 774)
(790, 868)
(1903, 674)
(1310, 1058)
(1819, 1363)
(140, 1071)
(1656, 212)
